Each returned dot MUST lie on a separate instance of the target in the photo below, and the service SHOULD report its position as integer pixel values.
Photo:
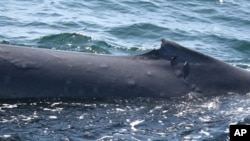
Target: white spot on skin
(232, 93)
(70, 66)
(131, 82)
(103, 66)
(178, 73)
(149, 73)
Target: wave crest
(74, 42)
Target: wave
(138, 30)
(83, 43)
(239, 45)
(74, 42)
(79, 43)
(4, 42)
(242, 46)
(150, 34)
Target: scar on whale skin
(185, 69)
(173, 61)
(43, 73)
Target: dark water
(187, 118)
(123, 27)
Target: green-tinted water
(219, 30)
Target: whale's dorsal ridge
(170, 49)
(156, 53)
(170, 71)
(169, 43)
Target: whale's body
(170, 71)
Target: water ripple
(203, 117)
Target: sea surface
(214, 27)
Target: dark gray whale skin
(170, 71)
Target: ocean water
(216, 28)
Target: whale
(169, 71)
